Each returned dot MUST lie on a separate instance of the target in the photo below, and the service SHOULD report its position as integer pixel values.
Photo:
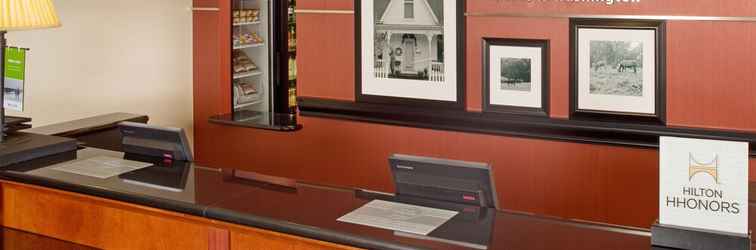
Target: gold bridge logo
(696, 167)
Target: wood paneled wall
(710, 85)
(711, 77)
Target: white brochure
(399, 217)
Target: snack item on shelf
(247, 88)
(246, 15)
(238, 68)
(255, 37)
(246, 92)
(247, 38)
(236, 39)
(249, 66)
(242, 63)
(239, 55)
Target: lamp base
(695, 239)
(21, 147)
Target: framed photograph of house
(410, 52)
(617, 70)
(516, 76)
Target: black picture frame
(659, 26)
(460, 102)
(544, 45)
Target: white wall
(111, 56)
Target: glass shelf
(240, 106)
(247, 23)
(247, 74)
(253, 45)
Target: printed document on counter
(101, 167)
(399, 217)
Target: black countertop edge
(280, 127)
(90, 130)
(304, 230)
(211, 213)
(634, 135)
(152, 202)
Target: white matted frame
(439, 41)
(648, 105)
(497, 99)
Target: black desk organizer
(697, 239)
(19, 147)
(13, 123)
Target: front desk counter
(194, 207)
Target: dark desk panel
(97, 131)
(311, 211)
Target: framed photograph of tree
(516, 76)
(618, 70)
(410, 52)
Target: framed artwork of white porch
(410, 52)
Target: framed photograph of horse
(516, 76)
(410, 52)
(618, 70)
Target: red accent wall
(710, 85)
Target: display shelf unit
(252, 21)
(292, 54)
(255, 27)
(258, 40)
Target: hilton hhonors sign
(703, 184)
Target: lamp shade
(27, 14)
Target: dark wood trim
(659, 26)
(579, 131)
(459, 104)
(545, 75)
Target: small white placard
(102, 167)
(703, 184)
(399, 217)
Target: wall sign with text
(15, 73)
(703, 184)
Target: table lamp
(21, 15)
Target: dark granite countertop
(87, 125)
(311, 211)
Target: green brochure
(15, 71)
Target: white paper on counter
(399, 217)
(102, 167)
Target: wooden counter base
(109, 224)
